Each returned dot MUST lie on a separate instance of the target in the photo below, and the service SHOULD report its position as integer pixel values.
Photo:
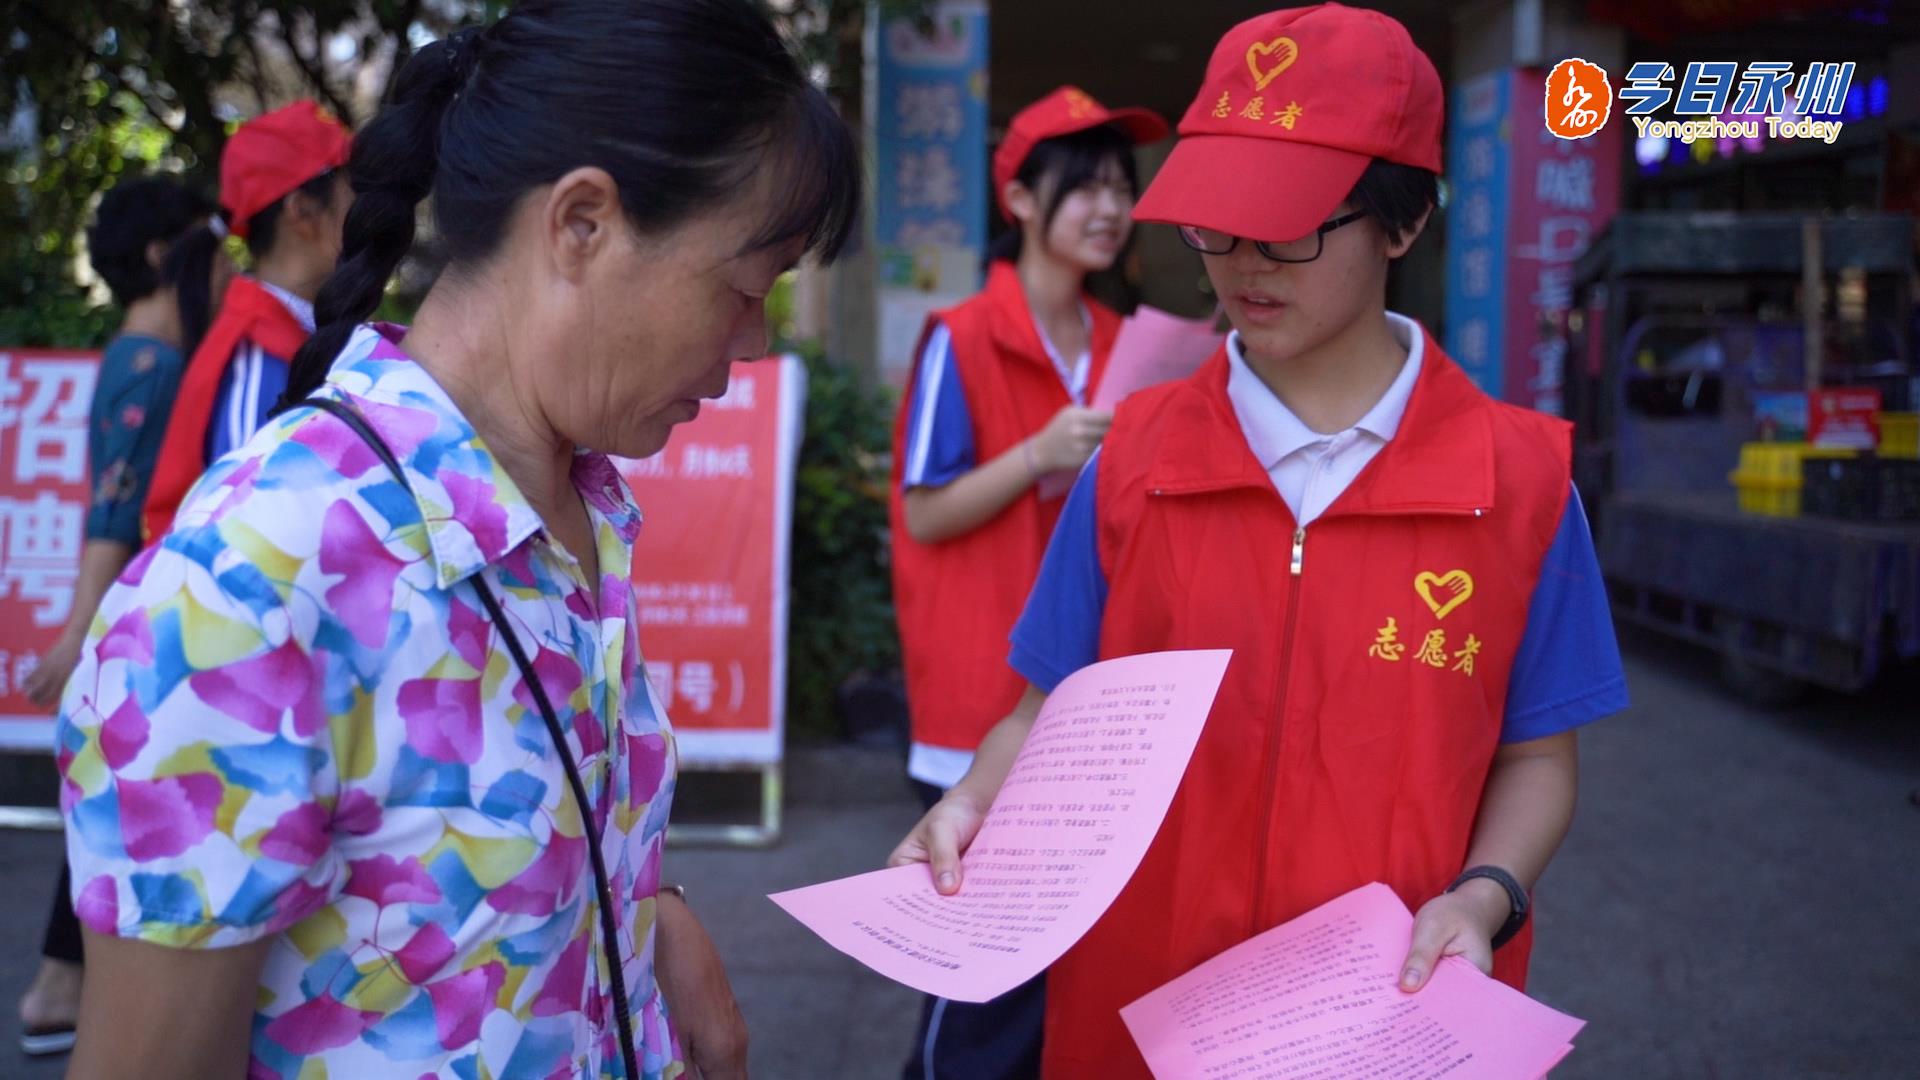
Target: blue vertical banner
(1478, 159)
(928, 117)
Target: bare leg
(51, 1005)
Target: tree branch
(154, 108)
(315, 74)
(257, 76)
(402, 45)
(177, 60)
(242, 36)
(398, 35)
(114, 73)
(46, 20)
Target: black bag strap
(602, 882)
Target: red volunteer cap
(1064, 112)
(273, 154)
(1295, 105)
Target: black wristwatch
(1516, 895)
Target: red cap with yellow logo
(1295, 105)
(1066, 111)
(274, 153)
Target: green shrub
(43, 311)
(841, 612)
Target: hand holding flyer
(1318, 996)
(1152, 347)
(1078, 809)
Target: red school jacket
(956, 601)
(1359, 717)
(248, 312)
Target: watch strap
(1517, 896)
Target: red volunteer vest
(957, 601)
(248, 312)
(1362, 708)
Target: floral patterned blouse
(293, 720)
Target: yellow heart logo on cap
(1444, 592)
(1279, 54)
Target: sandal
(45, 1041)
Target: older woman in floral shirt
(362, 776)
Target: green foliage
(53, 314)
(397, 307)
(120, 86)
(42, 223)
(841, 610)
(828, 35)
(117, 87)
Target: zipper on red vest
(1270, 781)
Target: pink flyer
(1154, 347)
(1318, 997)
(1076, 814)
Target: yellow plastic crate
(1900, 435)
(1768, 480)
(1772, 498)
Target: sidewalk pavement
(812, 1013)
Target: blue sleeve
(939, 427)
(249, 388)
(1059, 632)
(1567, 672)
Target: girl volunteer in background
(995, 409)
(283, 192)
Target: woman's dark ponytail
(392, 168)
(189, 269)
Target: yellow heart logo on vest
(1280, 53)
(1444, 592)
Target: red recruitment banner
(710, 567)
(1562, 194)
(45, 396)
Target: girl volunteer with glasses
(1398, 562)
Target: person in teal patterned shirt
(129, 245)
(143, 244)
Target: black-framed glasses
(1306, 249)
